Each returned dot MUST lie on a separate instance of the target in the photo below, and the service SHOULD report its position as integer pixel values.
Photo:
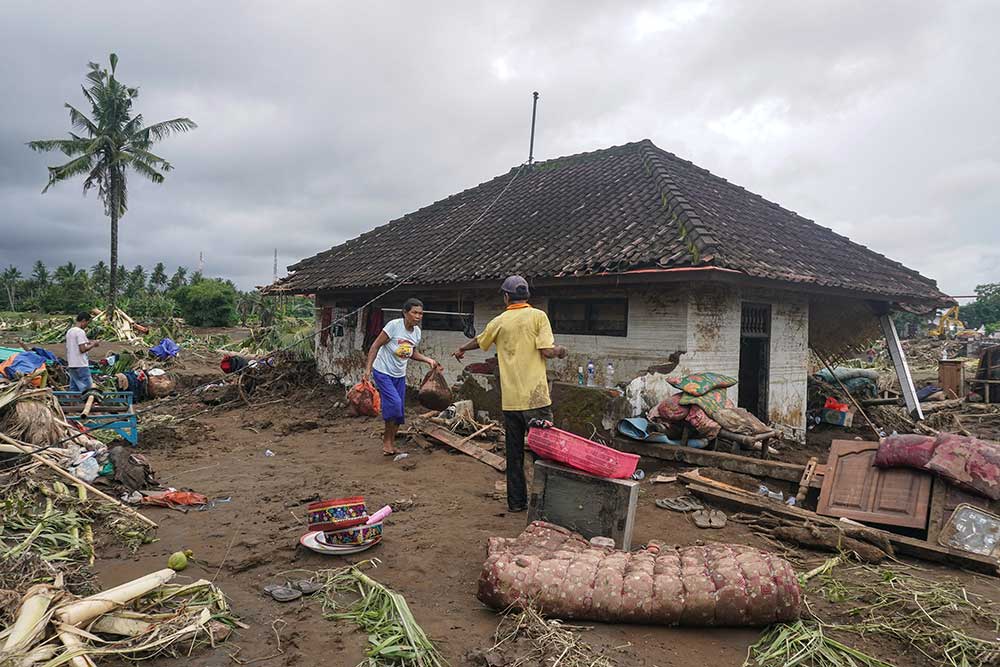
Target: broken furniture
(951, 377)
(727, 496)
(987, 380)
(854, 488)
(112, 411)
(564, 576)
(590, 505)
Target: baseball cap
(516, 286)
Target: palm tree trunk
(113, 282)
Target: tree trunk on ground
(113, 282)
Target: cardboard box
(838, 418)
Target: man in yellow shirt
(523, 338)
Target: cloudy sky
(319, 120)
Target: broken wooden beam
(463, 445)
(903, 545)
(787, 472)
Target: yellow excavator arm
(949, 323)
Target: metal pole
(534, 109)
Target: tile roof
(623, 208)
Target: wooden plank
(787, 472)
(903, 545)
(463, 445)
(854, 488)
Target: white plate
(311, 541)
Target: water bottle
(579, 376)
(590, 373)
(609, 376)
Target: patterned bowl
(353, 535)
(337, 513)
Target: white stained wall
(703, 320)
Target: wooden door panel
(855, 489)
(854, 492)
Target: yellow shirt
(519, 333)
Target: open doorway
(755, 358)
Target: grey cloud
(318, 121)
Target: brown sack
(434, 391)
(158, 386)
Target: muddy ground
(431, 552)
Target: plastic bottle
(590, 373)
(609, 376)
(579, 376)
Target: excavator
(949, 326)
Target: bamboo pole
(41, 459)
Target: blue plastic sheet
(165, 349)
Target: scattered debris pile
(137, 620)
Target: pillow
(698, 384)
(711, 402)
(670, 409)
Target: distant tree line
(144, 295)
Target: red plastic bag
(834, 404)
(364, 399)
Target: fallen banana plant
(394, 637)
(137, 620)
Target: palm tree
(100, 275)
(39, 277)
(10, 278)
(179, 279)
(113, 140)
(158, 278)
(65, 272)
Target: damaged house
(636, 255)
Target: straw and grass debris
(807, 644)
(942, 620)
(549, 641)
(394, 637)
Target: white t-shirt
(392, 356)
(74, 357)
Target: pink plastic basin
(580, 453)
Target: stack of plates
(315, 541)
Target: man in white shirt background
(77, 346)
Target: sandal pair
(709, 519)
(680, 504)
(292, 590)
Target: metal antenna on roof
(534, 110)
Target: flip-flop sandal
(702, 519)
(681, 504)
(282, 593)
(716, 519)
(307, 587)
(392, 453)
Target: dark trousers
(515, 424)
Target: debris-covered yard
(259, 460)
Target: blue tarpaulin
(165, 349)
(25, 363)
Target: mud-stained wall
(713, 333)
(703, 320)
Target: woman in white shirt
(387, 360)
